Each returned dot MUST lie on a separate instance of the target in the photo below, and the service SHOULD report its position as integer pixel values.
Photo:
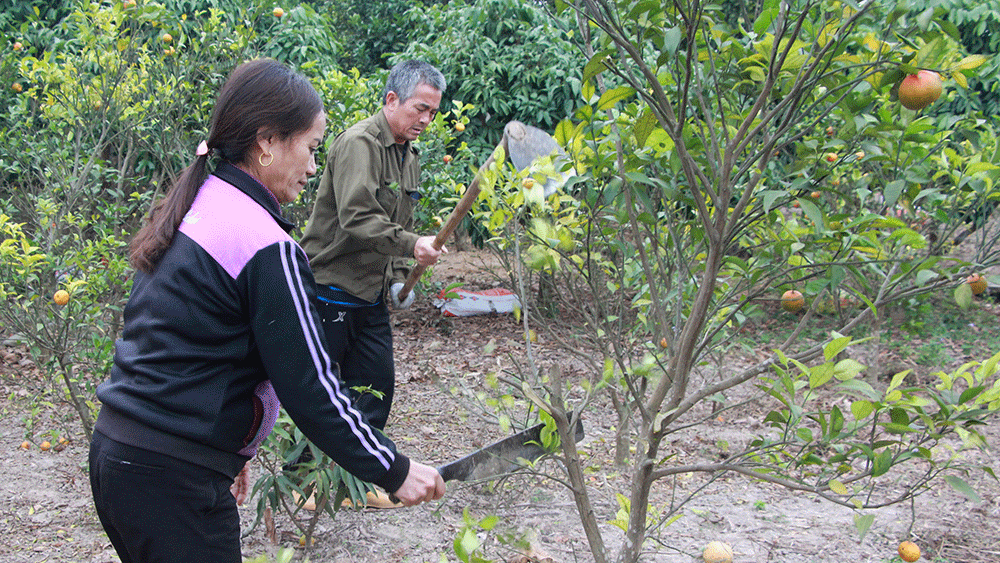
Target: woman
(220, 327)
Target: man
(359, 237)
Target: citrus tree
(107, 109)
(716, 166)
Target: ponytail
(154, 238)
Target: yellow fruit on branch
(831, 157)
(459, 127)
(447, 158)
(920, 90)
(908, 551)
(717, 552)
(167, 38)
(528, 183)
(278, 12)
(977, 283)
(61, 297)
(18, 46)
(17, 87)
(792, 301)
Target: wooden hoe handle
(457, 214)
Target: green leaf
(862, 523)
(489, 522)
(672, 39)
(836, 346)
(892, 191)
(770, 197)
(764, 21)
(848, 369)
(596, 64)
(963, 295)
(820, 374)
(882, 463)
(812, 211)
(610, 98)
(836, 421)
(862, 409)
(970, 394)
(465, 544)
(645, 125)
(961, 486)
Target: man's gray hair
(407, 75)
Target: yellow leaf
(838, 487)
(968, 63)
(959, 79)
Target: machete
(501, 457)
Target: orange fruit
(908, 551)
(831, 157)
(61, 297)
(920, 90)
(278, 12)
(717, 552)
(977, 283)
(459, 127)
(25, 445)
(792, 301)
(18, 46)
(860, 154)
(44, 446)
(167, 38)
(664, 343)
(816, 195)
(447, 158)
(17, 87)
(528, 183)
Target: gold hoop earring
(260, 159)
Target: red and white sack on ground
(467, 303)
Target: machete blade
(501, 457)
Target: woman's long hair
(260, 98)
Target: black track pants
(359, 339)
(158, 509)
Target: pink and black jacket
(223, 330)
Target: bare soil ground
(46, 513)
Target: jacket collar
(250, 186)
(386, 136)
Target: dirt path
(46, 513)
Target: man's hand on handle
(423, 484)
(425, 253)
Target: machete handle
(457, 214)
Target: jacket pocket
(388, 197)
